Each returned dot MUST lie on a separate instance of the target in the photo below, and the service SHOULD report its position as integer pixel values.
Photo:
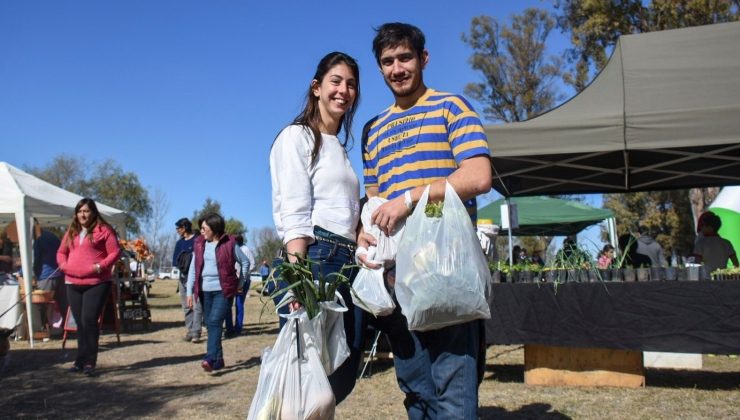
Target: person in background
(48, 275)
(316, 193)
(646, 245)
(537, 258)
(710, 248)
(181, 258)
(425, 137)
(606, 256)
(7, 262)
(213, 278)
(264, 271)
(87, 255)
(234, 325)
(632, 258)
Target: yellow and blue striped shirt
(403, 149)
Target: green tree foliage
(595, 25)
(105, 182)
(233, 226)
(267, 244)
(517, 74)
(666, 214)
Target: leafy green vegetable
(434, 209)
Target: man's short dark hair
(712, 220)
(393, 34)
(184, 223)
(239, 239)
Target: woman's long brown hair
(75, 227)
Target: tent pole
(508, 212)
(612, 228)
(24, 244)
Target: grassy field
(153, 374)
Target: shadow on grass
(268, 328)
(151, 363)
(82, 397)
(124, 343)
(669, 378)
(505, 373)
(529, 411)
(240, 365)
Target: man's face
(402, 69)
(180, 231)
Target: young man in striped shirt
(425, 138)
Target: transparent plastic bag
(331, 338)
(292, 382)
(370, 292)
(442, 277)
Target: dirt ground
(153, 374)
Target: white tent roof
(664, 113)
(48, 203)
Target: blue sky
(190, 94)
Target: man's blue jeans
(215, 305)
(437, 370)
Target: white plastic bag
(370, 292)
(387, 246)
(292, 382)
(331, 339)
(442, 277)
(329, 333)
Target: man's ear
(424, 58)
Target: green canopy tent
(544, 216)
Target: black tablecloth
(672, 316)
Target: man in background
(646, 245)
(181, 259)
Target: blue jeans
(437, 370)
(331, 258)
(235, 325)
(215, 305)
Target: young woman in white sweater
(315, 191)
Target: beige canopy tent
(24, 197)
(664, 113)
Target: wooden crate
(572, 366)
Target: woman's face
(206, 231)
(84, 216)
(610, 253)
(336, 92)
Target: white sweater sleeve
(291, 184)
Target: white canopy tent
(24, 197)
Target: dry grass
(153, 374)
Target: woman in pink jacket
(87, 255)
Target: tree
(233, 226)
(595, 25)
(666, 214)
(266, 243)
(107, 183)
(159, 234)
(517, 74)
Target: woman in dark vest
(213, 280)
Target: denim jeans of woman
(215, 305)
(331, 258)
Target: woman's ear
(315, 87)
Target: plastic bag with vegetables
(442, 277)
